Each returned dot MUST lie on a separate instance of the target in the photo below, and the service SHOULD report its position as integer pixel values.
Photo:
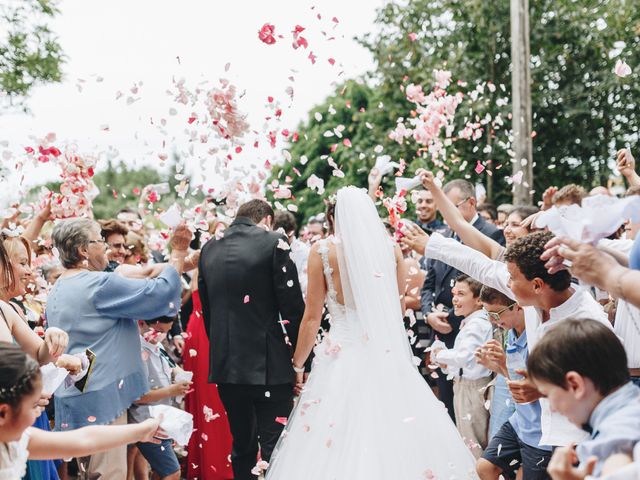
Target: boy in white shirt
(470, 378)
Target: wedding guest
(512, 229)
(504, 209)
(581, 367)
(440, 279)
(547, 299)
(285, 221)
(488, 212)
(426, 212)
(205, 460)
(131, 220)
(161, 373)
(20, 390)
(316, 229)
(470, 377)
(99, 310)
(516, 444)
(51, 271)
(137, 251)
(114, 234)
(15, 318)
(597, 268)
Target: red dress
(209, 452)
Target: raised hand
(625, 163)
(585, 261)
(427, 178)
(547, 198)
(414, 238)
(181, 238)
(374, 179)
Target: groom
(250, 294)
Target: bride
(365, 411)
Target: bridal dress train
(366, 412)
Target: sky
(141, 48)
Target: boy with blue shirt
(516, 445)
(581, 367)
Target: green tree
(29, 51)
(582, 111)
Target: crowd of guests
(531, 342)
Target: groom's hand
(300, 380)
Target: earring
(85, 263)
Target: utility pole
(521, 98)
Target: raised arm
(593, 267)
(490, 272)
(626, 165)
(37, 222)
(467, 233)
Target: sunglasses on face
(495, 316)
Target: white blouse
(13, 458)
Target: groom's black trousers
(252, 412)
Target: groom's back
(246, 282)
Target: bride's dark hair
(330, 212)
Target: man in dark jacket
(250, 297)
(436, 296)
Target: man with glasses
(114, 234)
(436, 297)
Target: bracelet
(298, 369)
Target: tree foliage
(29, 51)
(582, 111)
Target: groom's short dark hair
(255, 210)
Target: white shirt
(475, 331)
(627, 324)
(300, 256)
(556, 429)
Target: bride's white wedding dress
(365, 412)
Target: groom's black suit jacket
(247, 283)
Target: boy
(516, 445)
(581, 368)
(160, 371)
(471, 378)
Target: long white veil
(368, 272)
